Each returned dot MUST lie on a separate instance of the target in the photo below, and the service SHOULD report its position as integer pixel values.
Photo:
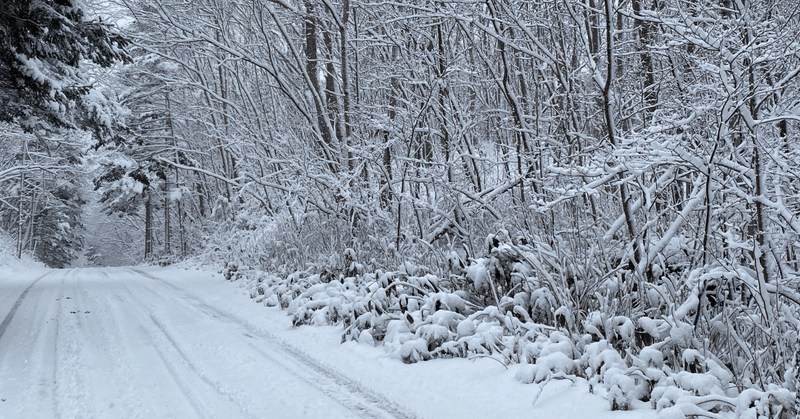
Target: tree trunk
(312, 72)
(20, 220)
(166, 220)
(348, 129)
(148, 224)
(644, 31)
(630, 220)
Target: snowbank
(634, 361)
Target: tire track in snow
(113, 388)
(341, 392)
(184, 386)
(216, 386)
(54, 372)
(72, 374)
(15, 307)
(344, 390)
(26, 354)
(192, 400)
(353, 402)
(56, 346)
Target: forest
(604, 189)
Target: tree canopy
(45, 49)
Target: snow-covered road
(122, 343)
(176, 343)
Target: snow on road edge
(439, 388)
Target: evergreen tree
(60, 227)
(50, 51)
(44, 84)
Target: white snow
(170, 342)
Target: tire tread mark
(10, 315)
(216, 386)
(190, 395)
(376, 401)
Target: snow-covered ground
(175, 343)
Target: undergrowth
(703, 342)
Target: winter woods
(622, 172)
(51, 56)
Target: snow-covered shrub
(548, 355)
(664, 343)
(231, 271)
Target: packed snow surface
(176, 343)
